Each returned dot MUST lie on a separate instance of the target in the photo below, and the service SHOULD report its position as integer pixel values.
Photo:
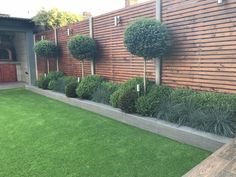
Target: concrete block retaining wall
(181, 134)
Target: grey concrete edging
(5, 86)
(181, 134)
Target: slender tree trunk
(48, 65)
(144, 78)
(57, 60)
(82, 68)
(92, 67)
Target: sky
(28, 8)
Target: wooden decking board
(222, 163)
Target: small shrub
(103, 93)
(128, 86)
(62, 82)
(43, 82)
(181, 95)
(52, 84)
(111, 86)
(70, 90)
(149, 105)
(54, 75)
(48, 82)
(127, 101)
(208, 101)
(88, 86)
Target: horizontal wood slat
(204, 45)
(203, 55)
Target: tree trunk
(82, 68)
(57, 60)
(48, 66)
(144, 78)
(92, 67)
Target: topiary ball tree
(82, 47)
(46, 49)
(147, 38)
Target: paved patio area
(220, 164)
(11, 85)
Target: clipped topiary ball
(127, 101)
(82, 47)
(70, 90)
(88, 86)
(147, 38)
(46, 49)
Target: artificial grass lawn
(40, 137)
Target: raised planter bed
(182, 134)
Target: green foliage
(82, 47)
(127, 101)
(52, 84)
(206, 111)
(43, 82)
(209, 101)
(70, 90)
(46, 49)
(221, 123)
(88, 86)
(54, 75)
(62, 82)
(147, 38)
(130, 85)
(149, 105)
(181, 95)
(103, 93)
(54, 18)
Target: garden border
(181, 134)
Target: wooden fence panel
(204, 45)
(203, 55)
(116, 63)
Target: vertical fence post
(91, 35)
(158, 60)
(56, 42)
(36, 61)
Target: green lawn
(40, 137)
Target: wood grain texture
(203, 56)
(204, 45)
(8, 73)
